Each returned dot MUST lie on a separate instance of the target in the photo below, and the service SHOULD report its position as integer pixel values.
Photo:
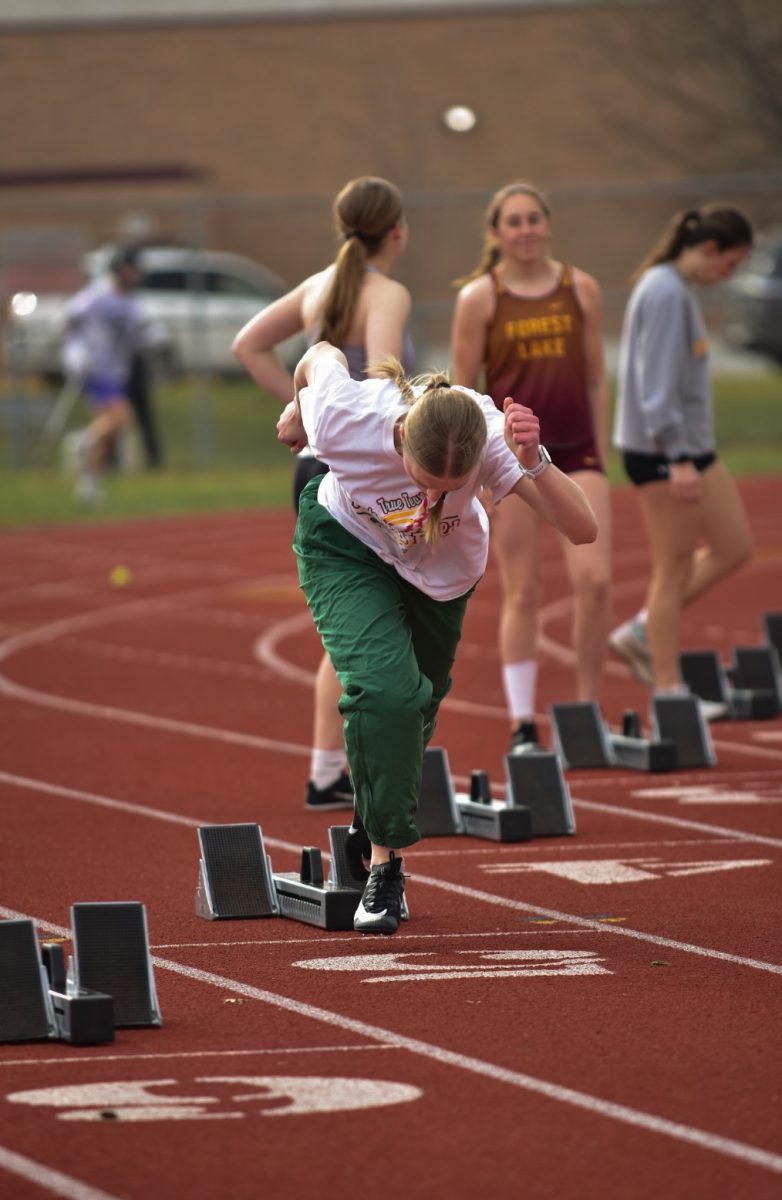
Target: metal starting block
(582, 739)
(749, 689)
(756, 670)
(438, 813)
(772, 625)
(496, 820)
(235, 876)
(304, 896)
(111, 957)
(536, 782)
(680, 720)
(26, 1013)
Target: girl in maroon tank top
(531, 327)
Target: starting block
(111, 957)
(750, 689)
(304, 896)
(680, 720)
(772, 625)
(26, 1013)
(438, 813)
(498, 821)
(235, 876)
(536, 782)
(82, 1017)
(441, 812)
(582, 739)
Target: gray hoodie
(664, 403)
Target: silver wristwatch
(545, 459)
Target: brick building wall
(237, 134)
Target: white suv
(195, 301)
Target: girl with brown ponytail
(354, 304)
(390, 544)
(695, 520)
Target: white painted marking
(140, 1100)
(48, 1179)
(490, 964)
(767, 735)
(706, 793)
(629, 870)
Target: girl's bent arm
(254, 345)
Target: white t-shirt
(350, 425)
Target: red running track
(575, 1018)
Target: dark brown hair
(728, 227)
(365, 210)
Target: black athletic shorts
(651, 468)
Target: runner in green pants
(390, 544)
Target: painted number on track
(626, 870)
(422, 966)
(219, 1097)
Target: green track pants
(393, 648)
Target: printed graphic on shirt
(540, 337)
(403, 518)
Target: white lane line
(99, 1059)
(468, 893)
(49, 1179)
(139, 810)
(649, 1122)
(719, 831)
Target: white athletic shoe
(712, 710)
(88, 490)
(628, 640)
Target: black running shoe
(339, 794)
(380, 908)
(524, 739)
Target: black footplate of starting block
(438, 813)
(496, 820)
(749, 689)
(679, 719)
(303, 895)
(536, 782)
(579, 735)
(26, 1013)
(111, 956)
(772, 627)
(756, 670)
(350, 852)
(582, 739)
(235, 876)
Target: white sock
(519, 680)
(326, 766)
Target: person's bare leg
(327, 719)
(672, 526)
(589, 569)
(725, 529)
(515, 540)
